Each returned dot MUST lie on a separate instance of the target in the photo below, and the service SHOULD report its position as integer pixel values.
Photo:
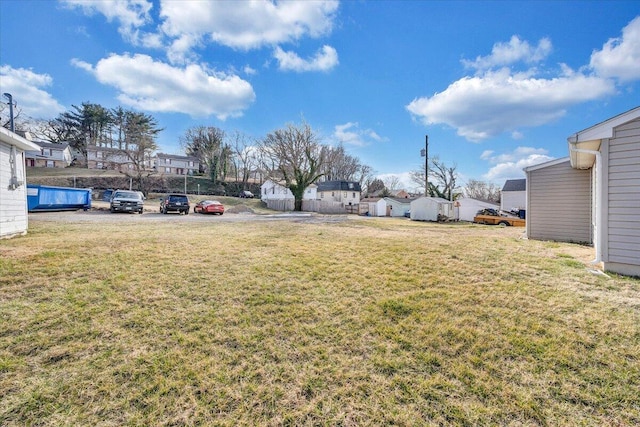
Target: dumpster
(42, 198)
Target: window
(167, 170)
(350, 185)
(333, 194)
(167, 161)
(190, 163)
(345, 194)
(354, 195)
(50, 164)
(322, 195)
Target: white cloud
(487, 105)
(509, 165)
(509, 53)
(245, 24)
(155, 86)
(324, 60)
(27, 89)
(351, 134)
(620, 57)
(131, 14)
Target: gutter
(573, 141)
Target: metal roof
(515, 185)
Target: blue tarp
(45, 198)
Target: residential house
(13, 189)
(560, 202)
(514, 195)
(49, 155)
(466, 208)
(345, 192)
(275, 190)
(173, 164)
(605, 159)
(431, 209)
(99, 157)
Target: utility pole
(425, 153)
(10, 98)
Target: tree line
(294, 154)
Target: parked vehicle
(126, 201)
(246, 194)
(209, 206)
(493, 217)
(174, 203)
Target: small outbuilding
(514, 195)
(466, 208)
(431, 209)
(13, 188)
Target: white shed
(468, 207)
(429, 208)
(396, 206)
(13, 187)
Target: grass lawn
(364, 322)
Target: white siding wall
(623, 200)
(513, 200)
(559, 205)
(13, 203)
(469, 207)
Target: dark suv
(175, 203)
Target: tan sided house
(593, 196)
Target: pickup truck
(493, 217)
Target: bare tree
(392, 183)
(340, 165)
(295, 155)
(244, 156)
(482, 190)
(207, 144)
(445, 178)
(140, 132)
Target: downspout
(598, 219)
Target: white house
(273, 190)
(514, 195)
(465, 208)
(345, 192)
(49, 155)
(13, 188)
(600, 185)
(431, 209)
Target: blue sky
(497, 86)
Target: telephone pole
(425, 153)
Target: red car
(209, 206)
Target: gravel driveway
(100, 213)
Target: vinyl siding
(13, 203)
(623, 196)
(560, 204)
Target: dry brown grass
(364, 322)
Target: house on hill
(597, 189)
(174, 164)
(514, 195)
(49, 155)
(13, 188)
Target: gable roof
(16, 140)
(589, 139)
(339, 186)
(53, 145)
(515, 185)
(176, 156)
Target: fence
(312, 206)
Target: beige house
(600, 185)
(344, 192)
(173, 164)
(108, 158)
